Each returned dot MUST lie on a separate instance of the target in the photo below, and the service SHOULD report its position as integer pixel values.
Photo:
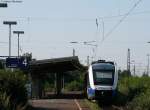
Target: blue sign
(17, 63)
(24, 63)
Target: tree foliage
(12, 87)
(134, 93)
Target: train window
(103, 77)
(103, 66)
(103, 74)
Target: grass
(93, 105)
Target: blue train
(101, 80)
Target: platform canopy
(56, 65)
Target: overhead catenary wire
(11, 1)
(23, 18)
(121, 15)
(3, 42)
(30, 19)
(121, 20)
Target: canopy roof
(56, 65)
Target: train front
(103, 79)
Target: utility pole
(89, 43)
(128, 61)
(134, 69)
(18, 33)
(88, 61)
(10, 23)
(148, 64)
(74, 52)
(133, 62)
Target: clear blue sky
(50, 25)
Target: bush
(134, 93)
(141, 102)
(4, 102)
(12, 87)
(74, 81)
(74, 86)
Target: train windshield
(103, 77)
(103, 73)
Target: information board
(17, 63)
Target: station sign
(21, 63)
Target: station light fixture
(3, 5)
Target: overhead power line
(23, 18)
(122, 19)
(3, 42)
(11, 1)
(121, 15)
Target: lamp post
(3, 5)
(10, 23)
(85, 43)
(18, 33)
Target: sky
(50, 26)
